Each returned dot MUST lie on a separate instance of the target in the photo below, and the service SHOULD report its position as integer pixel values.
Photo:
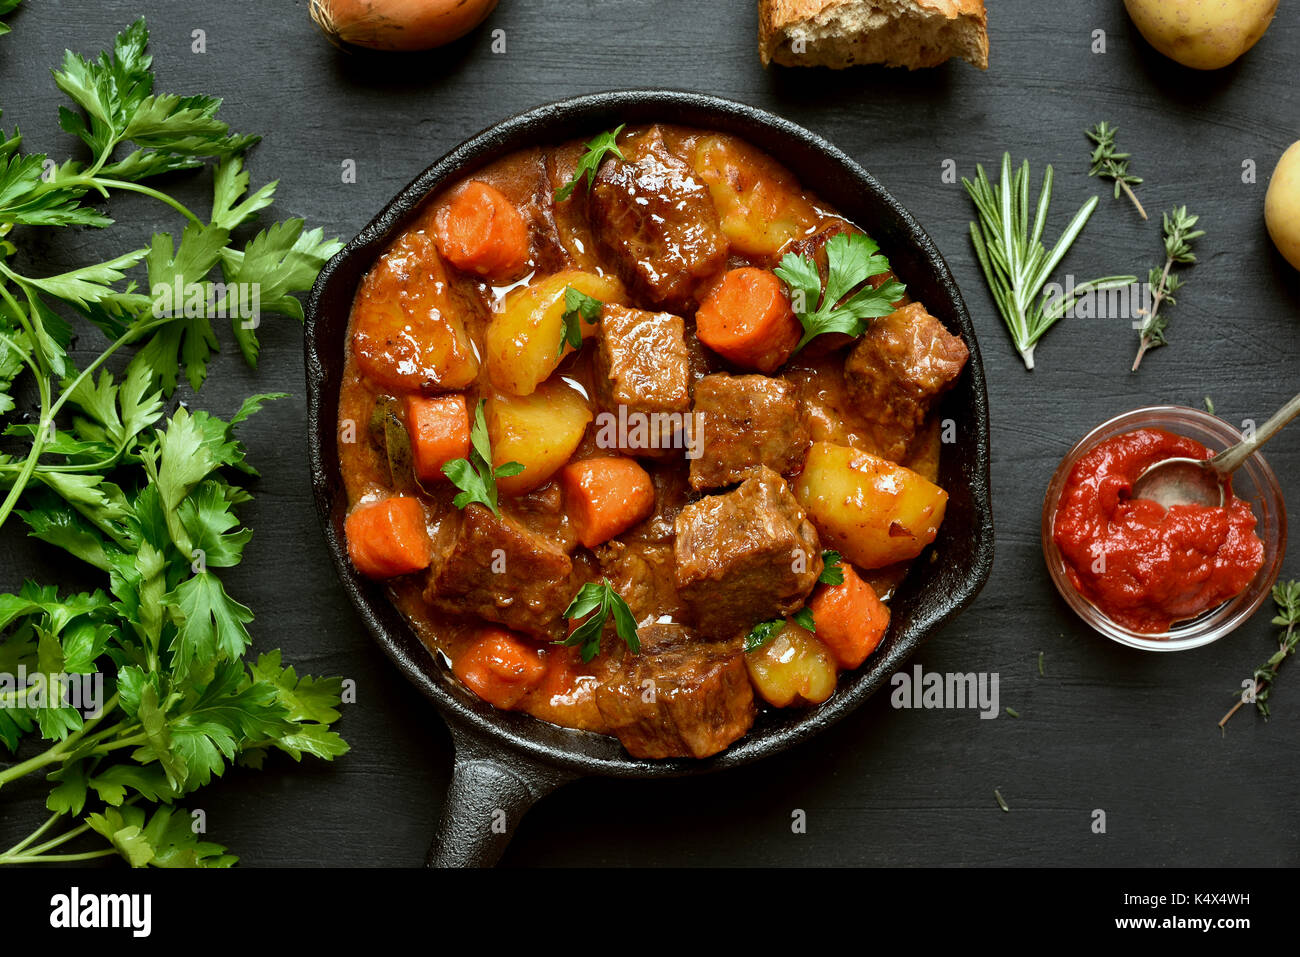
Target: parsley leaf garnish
(762, 633)
(600, 601)
(832, 571)
(475, 476)
(578, 308)
(605, 143)
(851, 259)
(765, 631)
(804, 619)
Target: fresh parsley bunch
(151, 507)
(134, 134)
(181, 706)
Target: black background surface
(1133, 734)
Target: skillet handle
(490, 792)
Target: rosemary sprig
(1287, 598)
(1179, 232)
(1109, 163)
(1016, 264)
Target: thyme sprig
(1179, 233)
(1109, 163)
(1287, 598)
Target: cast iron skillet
(506, 761)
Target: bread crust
(775, 17)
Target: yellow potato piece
(1202, 34)
(1282, 206)
(759, 205)
(540, 431)
(875, 513)
(408, 333)
(522, 342)
(794, 668)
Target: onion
(399, 24)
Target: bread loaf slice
(843, 33)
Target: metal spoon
(1182, 481)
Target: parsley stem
(150, 191)
(57, 858)
(51, 756)
(29, 464)
(26, 359)
(58, 751)
(49, 823)
(54, 842)
(102, 184)
(38, 439)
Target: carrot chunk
(850, 619)
(607, 496)
(388, 538)
(500, 667)
(747, 320)
(564, 673)
(439, 430)
(481, 231)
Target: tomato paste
(1146, 566)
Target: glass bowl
(1254, 483)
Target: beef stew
(731, 532)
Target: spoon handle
(1227, 461)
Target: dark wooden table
(1106, 728)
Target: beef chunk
(657, 222)
(897, 372)
(497, 569)
(679, 698)
(644, 574)
(542, 511)
(745, 421)
(746, 556)
(642, 367)
(566, 226)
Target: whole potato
(1282, 206)
(1202, 34)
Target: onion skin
(399, 24)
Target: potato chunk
(522, 343)
(794, 668)
(875, 513)
(540, 431)
(407, 332)
(759, 204)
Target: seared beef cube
(497, 569)
(898, 370)
(565, 227)
(658, 222)
(747, 556)
(746, 421)
(542, 511)
(679, 698)
(642, 370)
(644, 575)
